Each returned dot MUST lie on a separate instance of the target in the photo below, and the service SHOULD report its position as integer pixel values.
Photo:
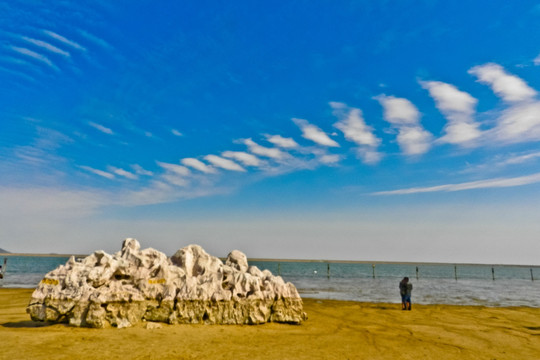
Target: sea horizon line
(329, 261)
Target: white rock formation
(136, 285)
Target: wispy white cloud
(64, 40)
(481, 184)
(518, 123)
(34, 55)
(175, 179)
(224, 163)
(166, 190)
(399, 111)
(176, 132)
(501, 161)
(257, 149)
(15, 60)
(282, 142)
(244, 157)
(25, 65)
(509, 87)
(174, 168)
(101, 128)
(459, 108)
(46, 46)
(330, 159)
(449, 99)
(122, 172)
(198, 165)
(536, 60)
(101, 173)
(139, 170)
(314, 133)
(42, 149)
(175, 174)
(18, 74)
(404, 116)
(32, 155)
(414, 140)
(520, 159)
(96, 40)
(353, 126)
(461, 133)
(305, 158)
(158, 191)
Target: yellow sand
(334, 330)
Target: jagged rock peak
(237, 260)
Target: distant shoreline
(377, 262)
(374, 262)
(42, 255)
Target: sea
(452, 284)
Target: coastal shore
(334, 330)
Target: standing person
(3, 269)
(405, 290)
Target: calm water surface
(436, 283)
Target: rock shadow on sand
(29, 324)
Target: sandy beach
(334, 330)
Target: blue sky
(362, 130)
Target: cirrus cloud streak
(480, 184)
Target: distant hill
(4, 251)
